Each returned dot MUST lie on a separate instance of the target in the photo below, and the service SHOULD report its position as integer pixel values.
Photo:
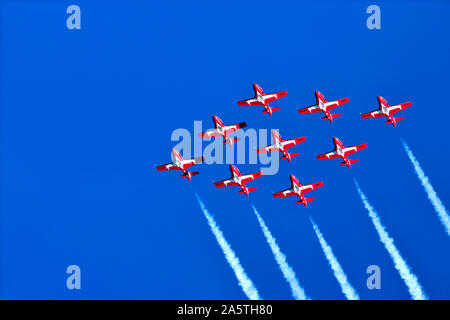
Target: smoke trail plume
(411, 281)
(244, 281)
(435, 201)
(339, 273)
(288, 273)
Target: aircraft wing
(235, 127)
(226, 183)
(248, 102)
(290, 143)
(250, 177)
(398, 107)
(198, 159)
(209, 133)
(373, 114)
(336, 103)
(274, 96)
(312, 109)
(351, 150)
(285, 193)
(271, 148)
(311, 187)
(328, 155)
(190, 162)
(167, 167)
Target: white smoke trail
(435, 201)
(411, 281)
(339, 273)
(288, 273)
(244, 281)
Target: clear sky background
(87, 114)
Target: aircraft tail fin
(305, 203)
(395, 120)
(350, 161)
(272, 109)
(189, 175)
(231, 140)
(332, 116)
(247, 190)
(275, 108)
(291, 155)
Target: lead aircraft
(222, 130)
(263, 99)
(181, 164)
(322, 105)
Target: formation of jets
(281, 145)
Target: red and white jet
(340, 151)
(297, 189)
(387, 111)
(181, 164)
(322, 105)
(263, 99)
(282, 145)
(222, 130)
(238, 179)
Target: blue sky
(87, 114)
